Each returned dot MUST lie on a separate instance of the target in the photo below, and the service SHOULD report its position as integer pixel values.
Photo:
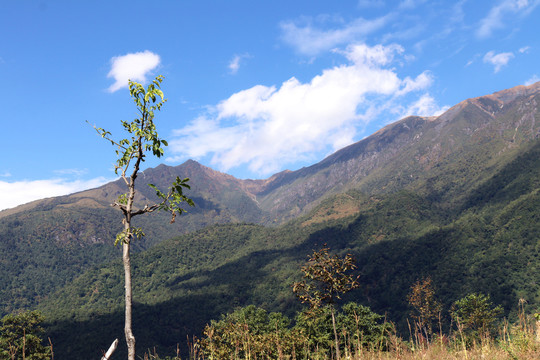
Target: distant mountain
(428, 153)
(402, 155)
(460, 185)
(46, 243)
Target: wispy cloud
(134, 66)
(473, 59)
(449, 28)
(311, 40)
(533, 79)
(424, 106)
(498, 60)
(234, 64)
(370, 3)
(236, 61)
(410, 4)
(505, 10)
(21, 192)
(524, 50)
(73, 172)
(267, 127)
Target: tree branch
(111, 350)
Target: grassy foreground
(433, 351)
(520, 341)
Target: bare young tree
(326, 277)
(131, 152)
(425, 304)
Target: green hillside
(40, 256)
(47, 243)
(490, 246)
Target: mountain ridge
(258, 189)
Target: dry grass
(437, 352)
(523, 347)
(520, 341)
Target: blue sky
(253, 87)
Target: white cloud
(505, 8)
(532, 80)
(309, 40)
(135, 66)
(524, 49)
(21, 192)
(267, 127)
(234, 64)
(424, 106)
(372, 56)
(498, 60)
(422, 81)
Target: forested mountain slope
(48, 242)
(490, 245)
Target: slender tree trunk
(126, 258)
(338, 355)
(130, 339)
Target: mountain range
(453, 197)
